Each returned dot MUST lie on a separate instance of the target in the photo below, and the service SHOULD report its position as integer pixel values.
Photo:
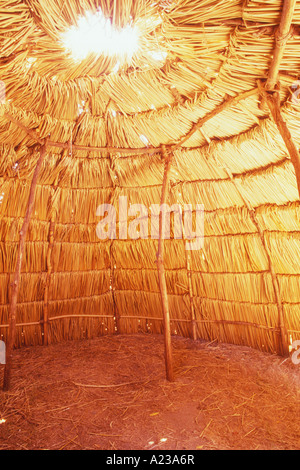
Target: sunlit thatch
(236, 164)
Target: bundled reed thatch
(204, 105)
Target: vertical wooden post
(161, 270)
(117, 316)
(17, 274)
(48, 276)
(115, 184)
(192, 307)
(190, 284)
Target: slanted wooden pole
(149, 150)
(269, 89)
(270, 94)
(283, 340)
(282, 35)
(161, 269)
(273, 101)
(17, 275)
(281, 38)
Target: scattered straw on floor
(110, 393)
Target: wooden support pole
(282, 35)
(48, 276)
(116, 184)
(284, 343)
(273, 101)
(117, 316)
(227, 103)
(191, 293)
(269, 89)
(17, 275)
(161, 269)
(281, 38)
(190, 283)
(271, 96)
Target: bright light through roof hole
(95, 34)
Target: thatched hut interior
(109, 108)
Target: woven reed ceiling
(236, 164)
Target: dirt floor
(110, 393)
